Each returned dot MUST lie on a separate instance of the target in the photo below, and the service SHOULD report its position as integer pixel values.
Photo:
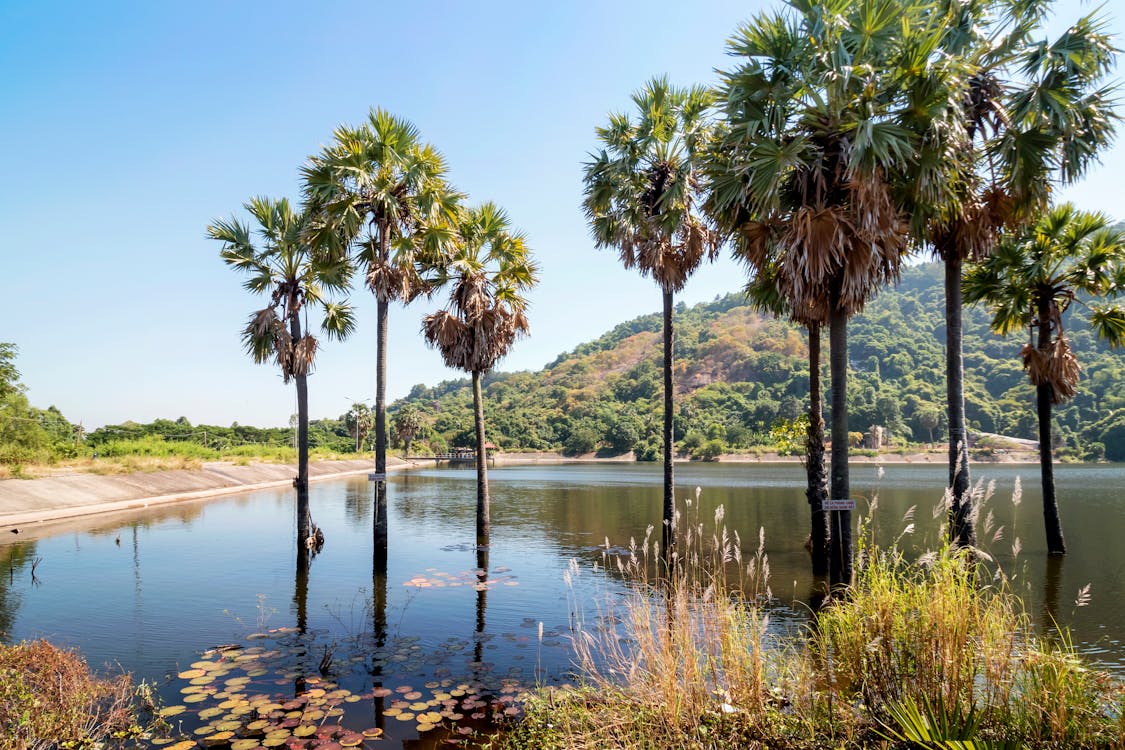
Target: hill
(739, 372)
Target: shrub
(49, 698)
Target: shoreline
(35, 502)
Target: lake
(157, 591)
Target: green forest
(742, 376)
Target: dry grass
(129, 457)
(50, 699)
(688, 661)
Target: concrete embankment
(24, 502)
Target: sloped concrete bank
(24, 502)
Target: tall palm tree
(643, 196)
(383, 191)
(282, 264)
(763, 291)
(820, 129)
(488, 272)
(1030, 281)
(1032, 111)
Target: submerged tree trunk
(961, 530)
(814, 461)
(1052, 524)
(379, 629)
(669, 509)
(840, 556)
(380, 528)
(304, 517)
(301, 591)
(483, 499)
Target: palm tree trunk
(301, 592)
(669, 510)
(1052, 524)
(840, 547)
(380, 528)
(961, 530)
(814, 460)
(379, 628)
(302, 482)
(483, 500)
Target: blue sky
(128, 127)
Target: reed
(921, 652)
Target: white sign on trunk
(839, 504)
(376, 477)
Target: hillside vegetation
(740, 373)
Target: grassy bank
(154, 453)
(920, 654)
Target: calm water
(153, 591)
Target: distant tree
(359, 421)
(643, 196)
(282, 264)
(929, 417)
(9, 375)
(407, 424)
(1029, 282)
(488, 272)
(624, 433)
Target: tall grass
(936, 650)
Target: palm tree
(359, 421)
(643, 195)
(282, 264)
(1031, 110)
(384, 191)
(763, 291)
(488, 271)
(1030, 281)
(407, 423)
(819, 132)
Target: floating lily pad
(189, 674)
(219, 738)
(172, 710)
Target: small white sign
(377, 477)
(839, 504)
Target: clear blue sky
(128, 127)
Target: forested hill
(738, 373)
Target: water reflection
(14, 560)
(205, 563)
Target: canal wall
(24, 502)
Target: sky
(127, 128)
